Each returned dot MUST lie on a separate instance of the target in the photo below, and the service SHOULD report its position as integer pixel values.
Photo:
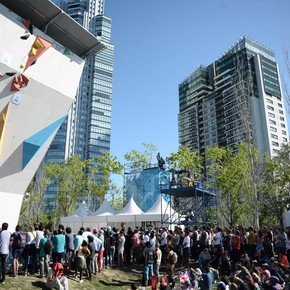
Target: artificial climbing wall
(38, 83)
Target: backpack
(48, 247)
(19, 240)
(150, 256)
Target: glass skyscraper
(86, 131)
(236, 98)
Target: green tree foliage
(116, 197)
(99, 171)
(139, 160)
(184, 159)
(70, 178)
(228, 174)
(33, 202)
(276, 187)
(78, 179)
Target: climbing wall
(144, 186)
(38, 82)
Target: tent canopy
(82, 210)
(160, 206)
(104, 209)
(131, 208)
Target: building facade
(236, 98)
(86, 132)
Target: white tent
(83, 210)
(131, 215)
(75, 220)
(104, 209)
(128, 213)
(100, 217)
(160, 207)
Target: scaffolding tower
(188, 205)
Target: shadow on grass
(115, 282)
(39, 284)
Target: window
(272, 122)
(274, 136)
(275, 143)
(280, 105)
(281, 112)
(271, 115)
(283, 132)
(273, 129)
(282, 125)
(275, 151)
(269, 101)
(284, 139)
(282, 119)
(270, 108)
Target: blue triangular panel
(29, 151)
(33, 143)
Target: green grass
(107, 279)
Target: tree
(139, 160)
(116, 197)
(276, 187)
(99, 171)
(70, 179)
(187, 160)
(245, 89)
(32, 209)
(228, 173)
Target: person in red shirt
(283, 260)
(236, 247)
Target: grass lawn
(108, 279)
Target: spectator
(44, 253)
(58, 251)
(17, 249)
(148, 255)
(4, 250)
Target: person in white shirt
(163, 244)
(98, 247)
(158, 259)
(86, 234)
(218, 239)
(121, 245)
(30, 251)
(4, 250)
(152, 240)
(186, 249)
(146, 237)
(39, 235)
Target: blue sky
(159, 42)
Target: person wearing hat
(221, 286)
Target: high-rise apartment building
(86, 132)
(236, 98)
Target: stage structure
(144, 185)
(190, 205)
(42, 53)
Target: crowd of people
(192, 258)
